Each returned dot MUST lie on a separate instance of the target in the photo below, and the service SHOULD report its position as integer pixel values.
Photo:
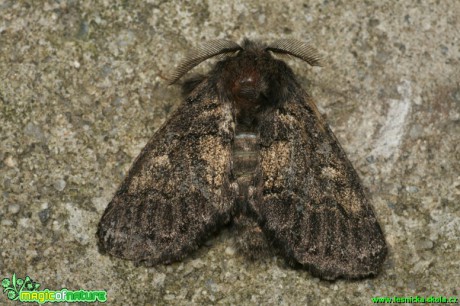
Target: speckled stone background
(82, 88)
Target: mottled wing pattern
(173, 198)
(313, 206)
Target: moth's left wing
(178, 190)
(313, 205)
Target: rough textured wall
(82, 88)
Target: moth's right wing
(313, 205)
(177, 191)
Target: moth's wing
(177, 192)
(313, 206)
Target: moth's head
(244, 77)
(248, 73)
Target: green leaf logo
(14, 287)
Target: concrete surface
(82, 89)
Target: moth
(248, 145)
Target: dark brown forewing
(313, 205)
(177, 191)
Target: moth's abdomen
(245, 160)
